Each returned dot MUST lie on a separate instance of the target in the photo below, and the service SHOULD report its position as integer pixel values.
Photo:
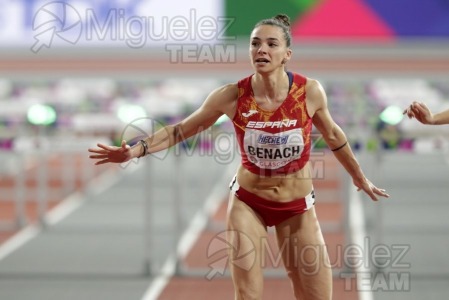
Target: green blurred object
(41, 114)
(127, 113)
(391, 115)
(247, 13)
(372, 144)
(320, 144)
(221, 120)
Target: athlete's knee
(296, 282)
(248, 293)
(317, 286)
(310, 281)
(248, 285)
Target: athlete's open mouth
(262, 60)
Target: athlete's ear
(287, 56)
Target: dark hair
(282, 21)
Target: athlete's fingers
(101, 162)
(414, 113)
(368, 190)
(407, 111)
(124, 145)
(98, 156)
(102, 146)
(371, 190)
(417, 106)
(420, 104)
(96, 150)
(381, 192)
(413, 110)
(107, 148)
(422, 108)
(370, 193)
(411, 114)
(410, 107)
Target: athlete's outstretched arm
(422, 113)
(219, 102)
(337, 141)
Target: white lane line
(190, 235)
(64, 209)
(358, 235)
(161, 281)
(18, 240)
(74, 201)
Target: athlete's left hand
(370, 189)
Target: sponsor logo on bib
(273, 151)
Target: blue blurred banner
(39, 24)
(358, 20)
(123, 23)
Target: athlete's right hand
(111, 154)
(420, 112)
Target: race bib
(273, 150)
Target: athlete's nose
(261, 49)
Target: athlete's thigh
(246, 234)
(305, 255)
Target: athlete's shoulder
(315, 96)
(222, 97)
(228, 91)
(314, 87)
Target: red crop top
(273, 142)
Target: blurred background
(75, 73)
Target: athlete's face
(268, 49)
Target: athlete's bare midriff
(280, 188)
